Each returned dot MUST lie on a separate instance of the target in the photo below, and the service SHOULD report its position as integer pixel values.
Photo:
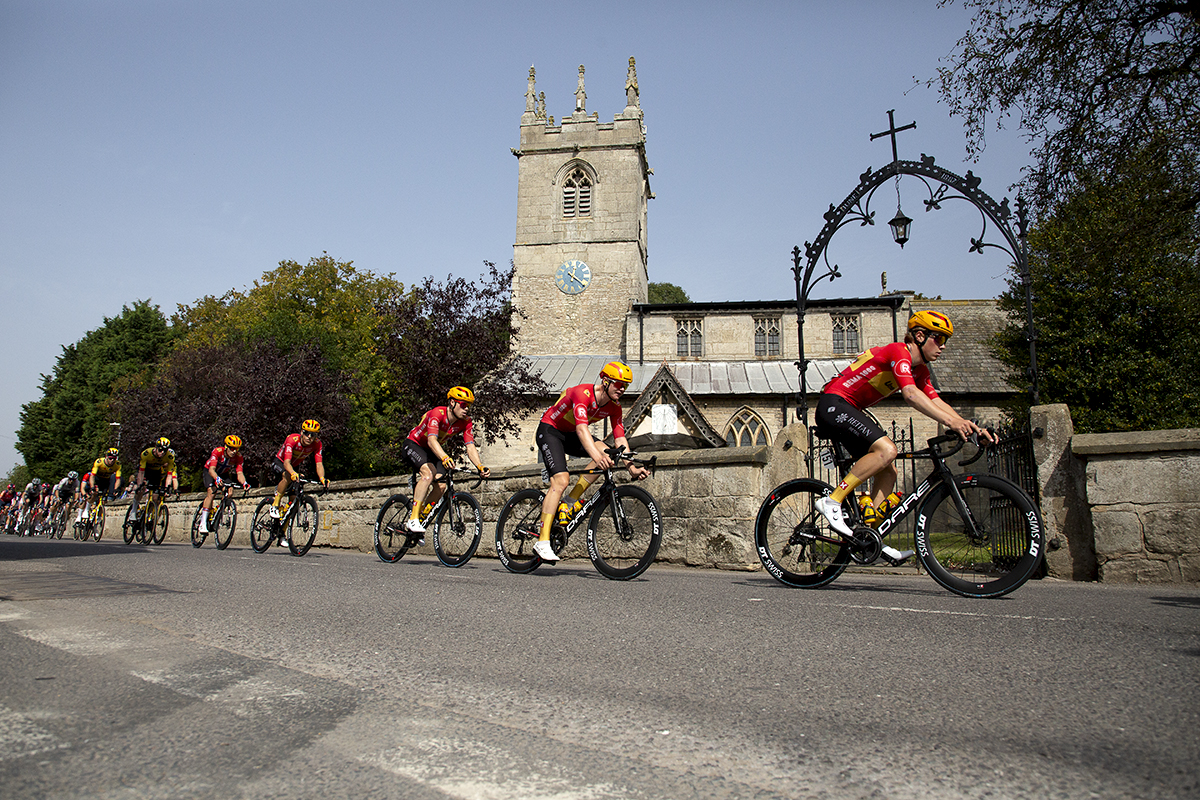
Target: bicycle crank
(866, 545)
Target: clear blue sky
(168, 150)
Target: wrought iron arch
(857, 208)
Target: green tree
(667, 293)
(1092, 82)
(1117, 300)
(68, 427)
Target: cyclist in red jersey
(424, 452)
(217, 469)
(875, 374)
(295, 451)
(564, 432)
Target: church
(705, 374)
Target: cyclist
(105, 477)
(563, 431)
(423, 450)
(64, 490)
(31, 496)
(156, 467)
(224, 459)
(875, 374)
(297, 448)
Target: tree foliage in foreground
(1092, 82)
(1117, 301)
(459, 333)
(68, 427)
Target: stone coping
(716, 456)
(1097, 444)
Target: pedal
(896, 557)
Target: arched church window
(577, 194)
(746, 429)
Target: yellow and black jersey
(151, 460)
(101, 468)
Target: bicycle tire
(391, 540)
(130, 525)
(517, 529)
(458, 529)
(262, 527)
(198, 537)
(225, 523)
(1002, 553)
(157, 533)
(624, 533)
(302, 527)
(785, 531)
(98, 525)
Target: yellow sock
(545, 534)
(275, 502)
(578, 489)
(848, 485)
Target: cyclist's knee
(885, 448)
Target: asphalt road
(130, 672)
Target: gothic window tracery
(689, 338)
(746, 429)
(766, 337)
(577, 194)
(845, 334)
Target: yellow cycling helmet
(162, 443)
(233, 440)
(932, 321)
(310, 426)
(114, 452)
(462, 394)
(617, 371)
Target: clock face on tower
(572, 277)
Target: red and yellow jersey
(877, 373)
(578, 406)
(293, 450)
(102, 469)
(437, 423)
(152, 460)
(219, 459)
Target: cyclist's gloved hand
(325, 482)
(246, 486)
(219, 483)
(447, 462)
(294, 476)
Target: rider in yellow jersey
(105, 477)
(156, 466)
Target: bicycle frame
(602, 492)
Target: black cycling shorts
(554, 446)
(417, 456)
(839, 420)
(277, 466)
(154, 477)
(224, 472)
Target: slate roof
(696, 377)
(967, 366)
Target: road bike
(31, 521)
(297, 523)
(221, 520)
(455, 522)
(147, 522)
(977, 535)
(91, 525)
(624, 527)
(61, 518)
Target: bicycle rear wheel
(624, 533)
(129, 528)
(262, 527)
(198, 537)
(225, 523)
(458, 529)
(302, 529)
(786, 535)
(517, 529)
(157, 533)
(987, 549)
(391, 540)
(98, 525)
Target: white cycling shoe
(832, 510)
(544, 551)
(896, 557)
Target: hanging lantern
(900, 225)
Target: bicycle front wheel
(225, 523)
(391, 540)
(517, 530)
(198, 537)
(162, 521)
(129, 528)
(624, 533)
(98, 527)
(790, 536)
(458, 529)
(986, 547)
(302, 529)
(262, 527)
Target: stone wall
(1143, 504)
(708, 499)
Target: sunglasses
(939, 338)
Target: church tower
(580, 250)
